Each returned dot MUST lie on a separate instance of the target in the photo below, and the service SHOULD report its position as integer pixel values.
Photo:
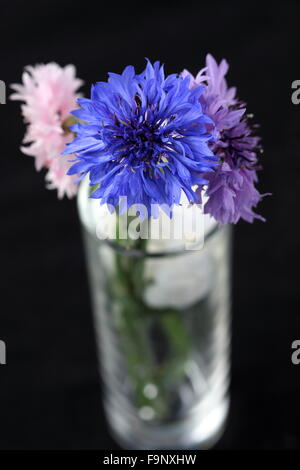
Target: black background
(49, 390)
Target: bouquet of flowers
(145, 136)
(150, 140)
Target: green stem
(132, 318)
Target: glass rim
(158, 254)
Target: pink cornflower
(49, 93)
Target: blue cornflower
(145, 137)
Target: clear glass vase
(163, 331)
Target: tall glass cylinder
(163, 332)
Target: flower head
(231, 184)
(49, 94)
(145, 137)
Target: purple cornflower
(231, 189)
